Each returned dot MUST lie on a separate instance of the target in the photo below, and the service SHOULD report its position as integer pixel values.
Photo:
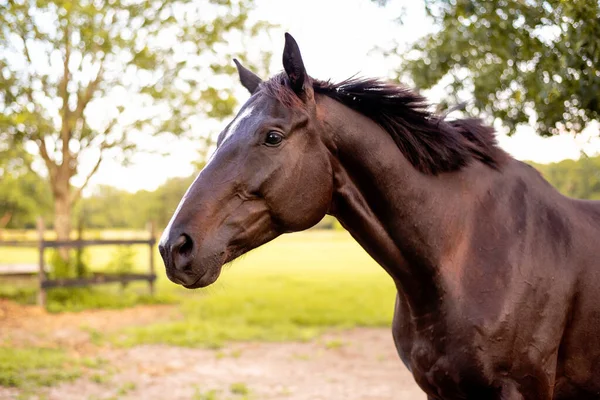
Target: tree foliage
(113, 208)
(23, 195)
(524, 61)
(579, 179)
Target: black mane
(431, 143)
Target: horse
(497, 273)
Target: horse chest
(444, 364)
(431, 369)
(447, 373)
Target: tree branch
(65, 133)
(77, 193)
(84, 98)
(28, 89)
(36, 33)
(50, 164)
(103, 147)
(25, 49)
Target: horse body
(497, 273)
(492, 306)
(519, 312)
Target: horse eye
(273, 139)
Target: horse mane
(431, 143)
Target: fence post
(42, 272)
(152, 242)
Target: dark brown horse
(498, 274)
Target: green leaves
(114, 208)
(579, 179)
(527, 61)
(23, 195)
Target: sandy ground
(355, 364)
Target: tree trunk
(4, 222)
(62, 222)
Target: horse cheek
(313, 195)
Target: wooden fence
(97, 278)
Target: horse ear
(248, 78)
(293, 65)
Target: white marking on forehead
(233, 127)
(235, 124)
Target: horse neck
(401, 217)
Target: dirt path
(350, 365)
(33, 326)
(358, 364)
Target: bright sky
(336, 38)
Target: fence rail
(19, 243)
(94, 242)
(42, 244)
(98, 279)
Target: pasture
(308, 289)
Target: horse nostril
(183, 245)
(182, 251)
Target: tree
(79, 79)
(109, 207)
(167, 197)
(579, 179)
(520, 59)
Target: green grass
(205, 395)
(334, 344)
(291, 289)
(105, 297)
(101, 378)
(126, 388)
(33, 367)
(110, 296)
(239, 388)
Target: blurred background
(110, 108)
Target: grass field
(290, 289)
(35, 367)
